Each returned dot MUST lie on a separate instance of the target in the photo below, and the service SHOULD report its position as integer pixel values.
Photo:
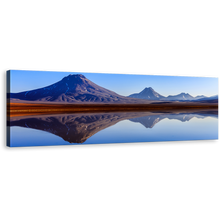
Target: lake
(112, 127)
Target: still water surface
(114, 127)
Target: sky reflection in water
(123, 127)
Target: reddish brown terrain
(15, 109)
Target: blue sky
(123, 84)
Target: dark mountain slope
(72, 89)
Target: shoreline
(15, 109)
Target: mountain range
(76, 88)
(151, 94)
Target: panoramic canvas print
(61, 108)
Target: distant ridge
(150, 94)
(181, 96)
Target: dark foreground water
(114, 127)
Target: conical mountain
(148, 94)
(72, 89)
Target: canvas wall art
(61, 108)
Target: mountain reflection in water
(77, 128)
